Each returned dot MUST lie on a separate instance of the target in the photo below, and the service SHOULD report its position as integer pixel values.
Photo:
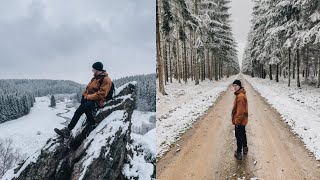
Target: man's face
(236, 87)
(95, 72)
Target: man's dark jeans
(86, 107)
(240, 132)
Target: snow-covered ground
(140, 165)
(144, 136)
(42, 119)
(143, 122)
(184, 104)
(30, 133)
(299, 107)
(144, 132)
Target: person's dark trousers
(86, 107)
(240, 132)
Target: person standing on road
(240, 118)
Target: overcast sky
(61, 40)
(241, 15)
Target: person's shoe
(245, 150)
(238, 155)
(65, 132)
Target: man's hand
(90, 97)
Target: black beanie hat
(238, 82)
(97, 66)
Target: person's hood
(241, 90)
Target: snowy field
(184, 104)
(30, 133)
(299, 107)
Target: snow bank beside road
(184, 104)
(299, 107)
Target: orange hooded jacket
(240, 108)
(96, 92)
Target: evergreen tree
(284, 39)
(146, 90)
(52, 101)
(196, 40)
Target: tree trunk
(284, 74)
(318, 71)
(178, 57)
(315, 68)
(176, 64)
(203, 70)
(294, 68)
(216, 68)
(159, 63)
(298, 68)
(221, 70)
(289, 77)
(166, 64)
(170, 63)
(277, 75)
(308, 66)
(191, 58)
(183, 71)
(316, 65)
(191, 65)
(252, 71)
(208, 64)
(200, 70)
(196, 60)
(279, 70)
(228, 72)
(197, 71)
(185, 62)
(182, 62)
(270, 71)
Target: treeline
(14, 102)
(284, 40)
(18, 96)
(43, 87)
(194, 41)
(146, 91)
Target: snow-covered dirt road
(206, 150)
(184, 104)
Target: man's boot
(238, 155)
(245, 150)
(64, 132)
